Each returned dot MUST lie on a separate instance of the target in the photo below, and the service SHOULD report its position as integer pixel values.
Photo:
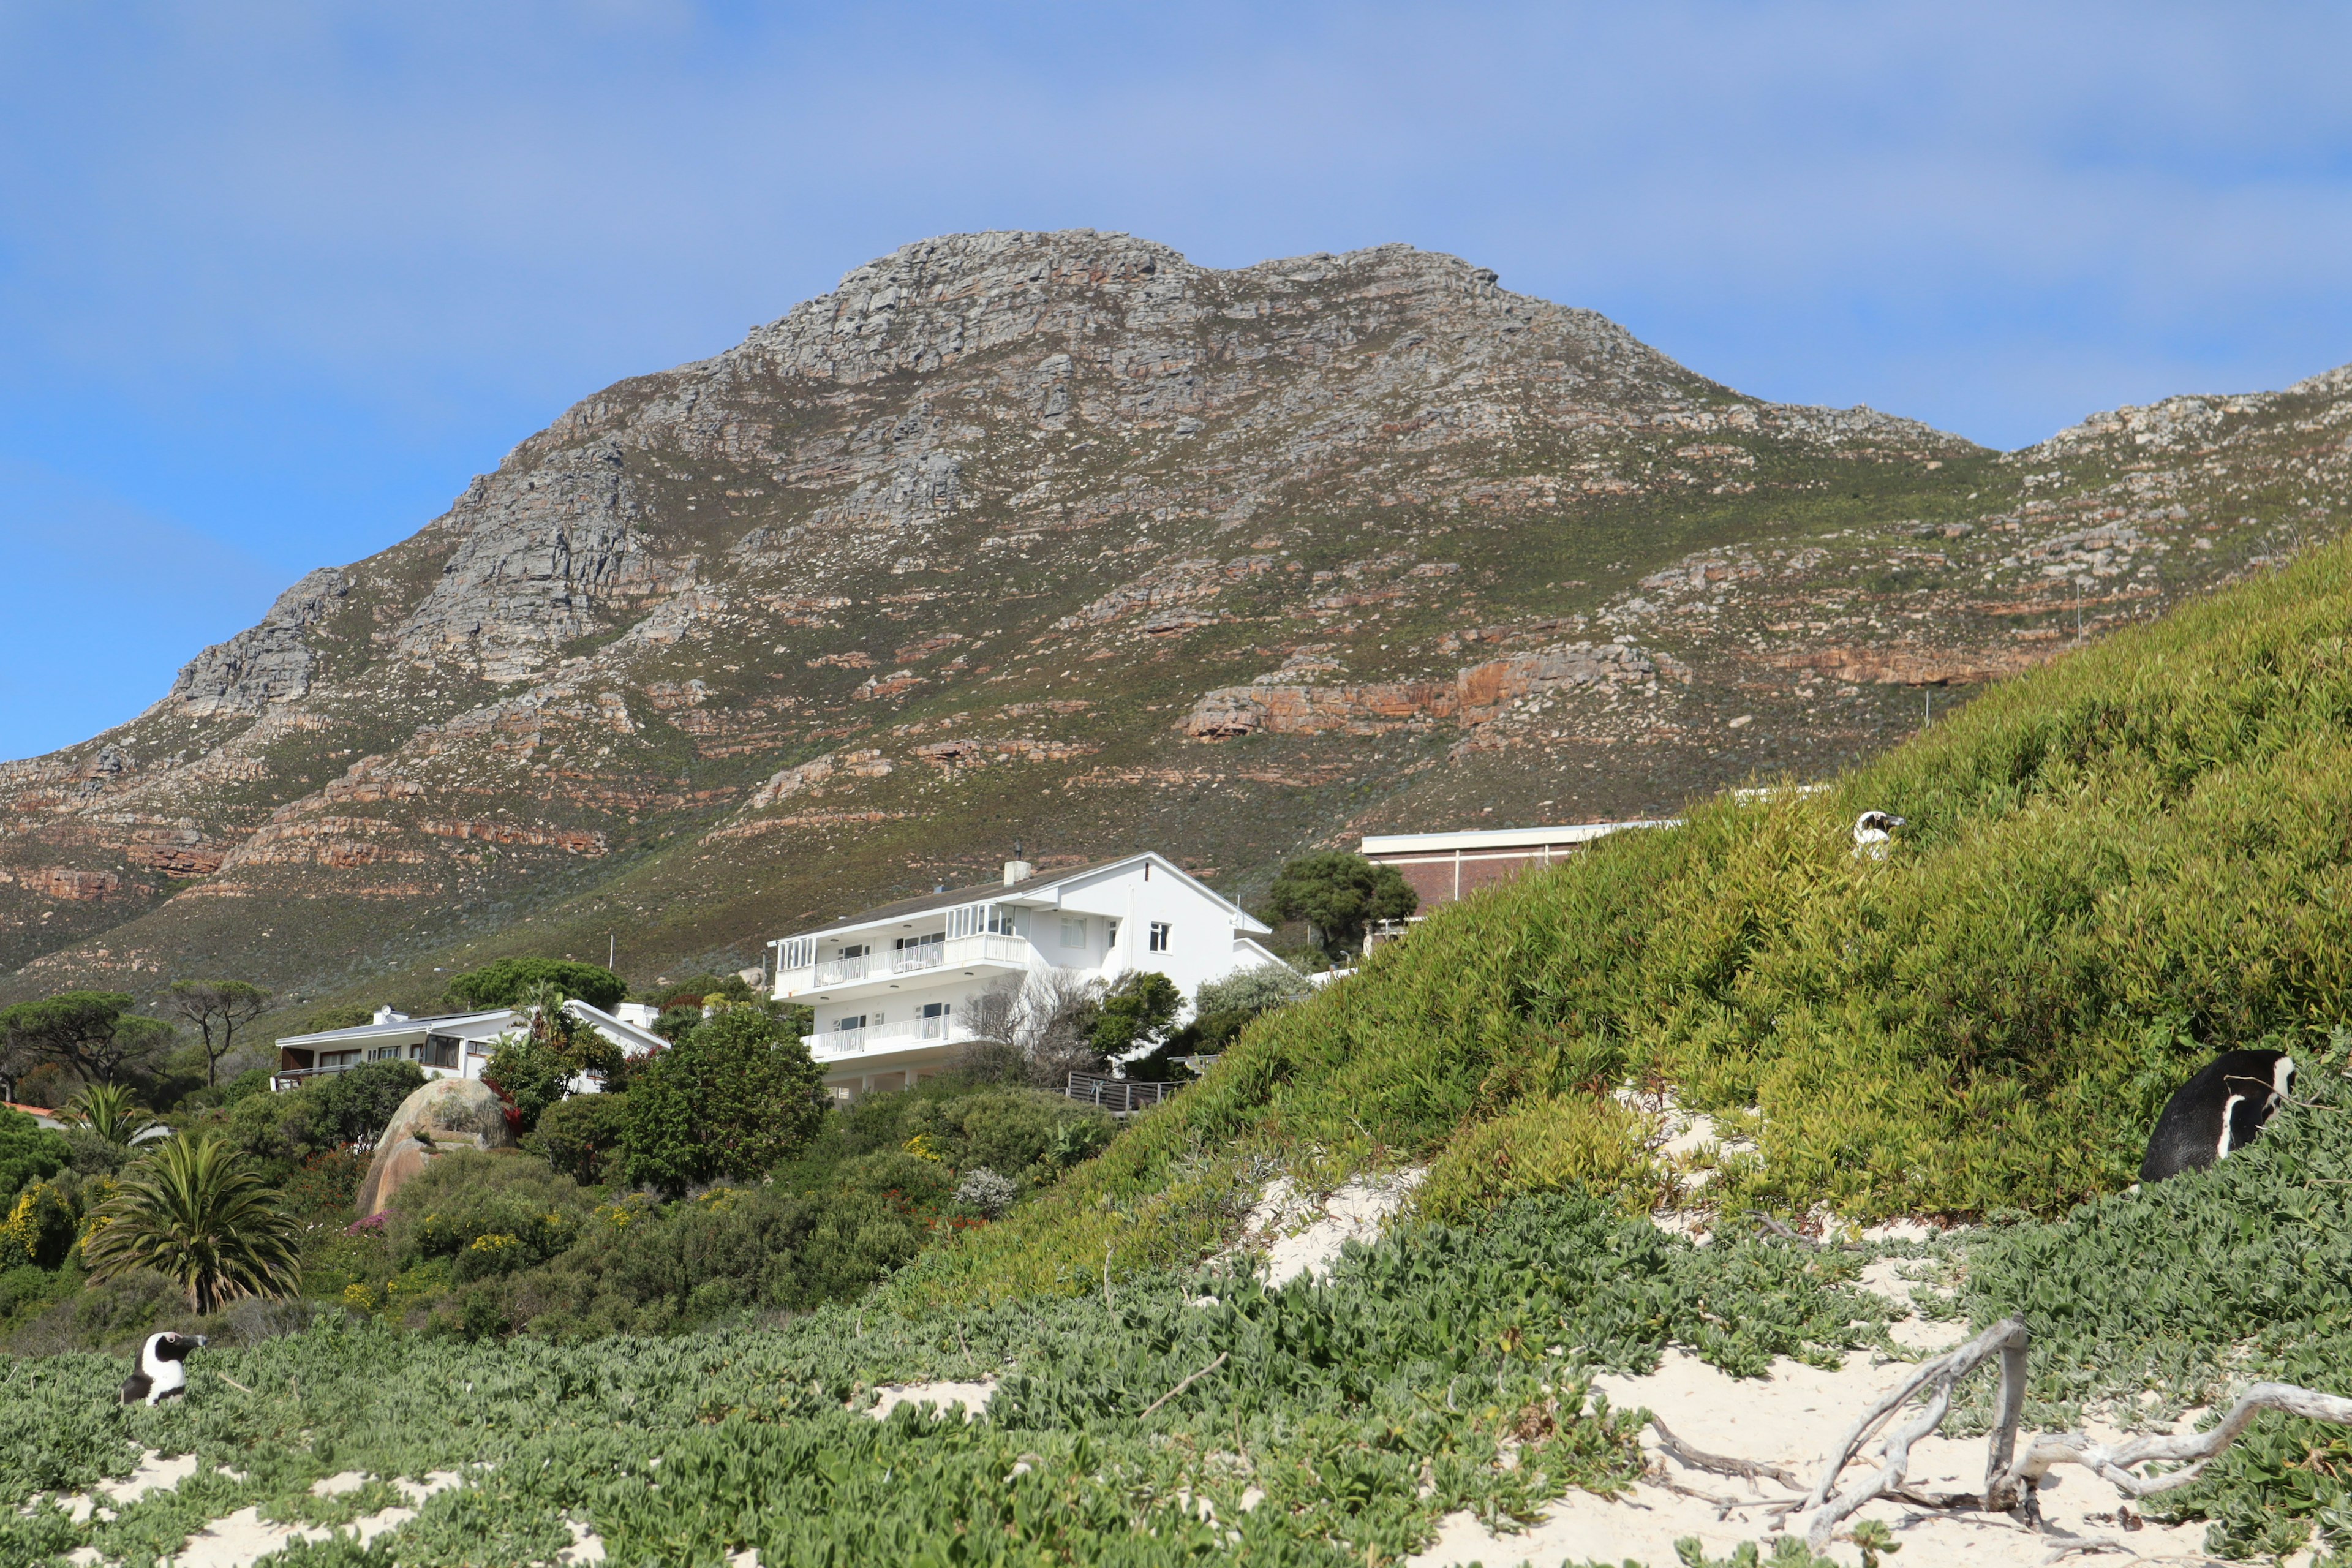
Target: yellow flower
(358, 1298)
(492, 1243)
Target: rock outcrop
(448, 1113)
(1065, 538)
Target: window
(1074, 933)
(976, 919)
(849, 1021)
(800, 952)
(1110, 933)
(1159, 933)
(933, 1024)
(384, 1053)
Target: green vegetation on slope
(1361, 1411)
(2114, 866)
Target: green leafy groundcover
(1359, 1411)
(2114, 865)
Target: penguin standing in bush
(163, 1370)
(2217, 1112)
(1873, 835)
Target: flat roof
(1503, 838)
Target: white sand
(971, 1398)
(1795, 1419)
(1301, 1234)
(245, 1536)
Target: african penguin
(2218, 1111)
(1873, 830)
(163, 1369)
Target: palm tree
(195, 1213)
(108, 1109)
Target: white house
(892, 988)
(449, 1045)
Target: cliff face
(1060, 536)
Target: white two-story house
(893, 988)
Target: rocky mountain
(1061, 537)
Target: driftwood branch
(1935, 1378)
(1717, 1464)
(2192, 1451)
(1187, 1382)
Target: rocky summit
(1063, 537)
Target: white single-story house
(447, 1044)
(893, 988)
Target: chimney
(1017, 869)
(386, 1016)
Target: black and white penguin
(162, 1372)
(2219, 1110)
(1873, 832)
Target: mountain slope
(1060, 536)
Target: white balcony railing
(914, 959)
(833, 1045)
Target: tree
(28, 1151)
(510, 980)
(93, 1031)
(1136, 1013)
(1035, 1028)
(581, 1135)
(536, 1068)
(735, 1098)
(1337, 895)
(196, 1214)
(107, 1111)
(219, 1008)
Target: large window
(1160, 932)
(976, 919)
(800, 951)
(1074, 933)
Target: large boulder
(446, 1113)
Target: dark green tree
(219, 1008)
(582, 1136)
(93, 1031)
(734, 1098)
(1339, 895)
(1136, 1014)
(509, 981)
(28, 1151)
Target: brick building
(1443, 867)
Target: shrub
(39, 1228)
(1561, 1143)
(108, 1111)
(1135, 1013)
(486, 1213)
(537, 1068)
(195, 1213)
(332, 1111)
(983, 1190)
(1251, 990)
(735, 1098)
(508, 980)
(28, 1151)
(582, 1136)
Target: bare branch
(1717, 1464)
(1188, 1383)
(2193, 1451)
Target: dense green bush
(488, 1213)
(331, 1111)
(28, 1151)
(582, 1136)
(733, 1099)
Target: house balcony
(829, 1047)
(872, 973)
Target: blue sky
(277, 280)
